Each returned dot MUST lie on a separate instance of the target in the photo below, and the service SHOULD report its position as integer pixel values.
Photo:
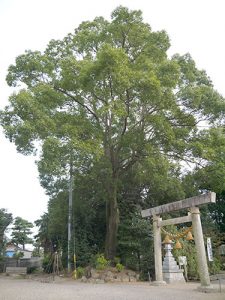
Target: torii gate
(194, 217)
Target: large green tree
(21, 232)
(212, 175)
(43, 238)
(109, 90)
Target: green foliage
(218, 212)
(136, 244)
(37, 251)
(43, 236)
(31, 270)
(80, 272)
(211, 177)
(106, 100)
(47, 263)
(188, 250)
(18, 255)
(101, 263)
(215, 266)
(117, 260)
(5, 221)
(119, 267)
(21, 231)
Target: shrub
(119, 267)
(18, 255)
(80, 272)
(31, 270)
(47, 264)
(101, 262)
(215, 266)
(117, 260)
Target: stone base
(171, 277)
(207, 289)
(158, 283)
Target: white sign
(209, 249)
(182, 260)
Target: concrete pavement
(67, 289)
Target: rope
(178, 235)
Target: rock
(99, 281)
(131, 273)
(91, 280)
(125, 278)
(94, 274)
(110, 275)
(133, 279)
(84, 279)
(88, 272)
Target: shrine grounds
(12, 288)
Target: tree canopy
(21, 231)
(5, 221)
(108, 97)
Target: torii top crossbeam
(178, 205)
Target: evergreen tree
(21, 231)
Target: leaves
(106, 99)
(21, 232)
(5, 220)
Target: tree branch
(80, 103)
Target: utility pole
(70, 217)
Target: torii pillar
(194, 217)
(200, 248)
(157, 251)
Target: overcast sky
(194, 26)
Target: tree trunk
(1, 244)
(112, 220)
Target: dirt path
(61, 289)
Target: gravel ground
(64, 289)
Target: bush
(101, 262)
(80, 272)
(117, 260)
(47, 263)
(119, 267)
(18, 255)
(188, 250)
(31, 270)
(214, 266)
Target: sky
(194, 26)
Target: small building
(11, 249)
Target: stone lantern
(171, 271)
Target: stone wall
(35, 262)
(110, 275)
